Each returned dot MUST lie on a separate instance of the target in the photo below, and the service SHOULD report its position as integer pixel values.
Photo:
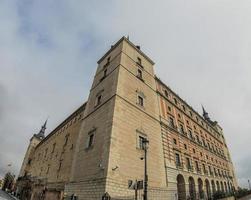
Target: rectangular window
(105, 72)
(140, 74)
(141, 101)
(177, 159)
(90, 140)
(98, 100)
(171, 122)
(174, 141)
(182, 129)
(188, 164)
(139, 61)
(197, 166)
(141, 142)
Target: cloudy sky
(49, 49)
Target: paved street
(4, 196)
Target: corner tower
(34, 141)
(122, 109)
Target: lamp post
(145, 145)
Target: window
(197, 166)
(166, 93)
(182, 128)
(190, 133)
(194, 151)
(105, 73)
(98, 100)
(191, 114)
(179, 116)
(140, 74)
(169, 108)
(141, 101)
(198, 139)
(177, 159)
(175, 101)
(188, 163)
(184, 108)
(185, 146)
(204, 168)
(141, 142)
(90, 140)
(174, 141)
(139, 61)
(171, 122)
(141, 137)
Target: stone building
(99, 147)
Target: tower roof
(41, 133)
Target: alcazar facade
(97, 149)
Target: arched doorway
(217, 186)
(200, 187)
(181, 187)
(213, 186)
(192, 190)
(208, 189)
(222, 187)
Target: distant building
(97, 149)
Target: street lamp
(145, 146)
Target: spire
(205, 114)
(41, 133)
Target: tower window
(90, 140)
(98, 100)
(140, 74)
(174, 141)
(139, 61)
(105, 72)
(141, 101)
